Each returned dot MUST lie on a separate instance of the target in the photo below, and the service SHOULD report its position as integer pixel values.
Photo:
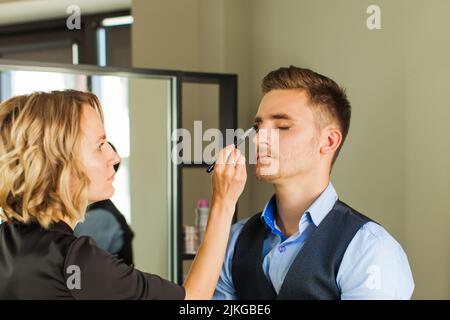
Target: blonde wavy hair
(41, 178)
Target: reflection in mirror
(113, 95)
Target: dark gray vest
(313, 272)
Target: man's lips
(263, 152)
(262, 156)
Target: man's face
(298, 150)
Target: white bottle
(190, 239)
(201, 218)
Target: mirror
(138, 108)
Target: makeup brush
(236, 144)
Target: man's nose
(261, 137)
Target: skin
(97, 156)
(228, 181)
(299, 164)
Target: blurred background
(395, 164)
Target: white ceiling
(19, 11)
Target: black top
(53, 264)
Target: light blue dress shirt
(374, 265)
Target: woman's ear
(332, 139)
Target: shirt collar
(268, 217)
(323, 204)
(316, 212)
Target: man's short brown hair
(325, 95)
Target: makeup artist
(54, 161)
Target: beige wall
(427, 156)
(196, 35)
(395, 164)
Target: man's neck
(294, 196)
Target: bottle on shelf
(201, 218)
(190, 239)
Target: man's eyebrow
(280, 116)
(275, 116)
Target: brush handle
(236, 144)
(210, 168)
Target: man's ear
(332, 139)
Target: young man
(307, 244)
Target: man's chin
(266, 174)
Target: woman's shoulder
(33, 236)
(83, 249)
(34, 259)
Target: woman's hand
(228, 183)
(229, 177)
